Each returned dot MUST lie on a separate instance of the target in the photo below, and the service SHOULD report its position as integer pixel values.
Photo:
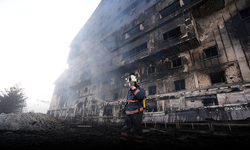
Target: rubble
(100, 137)
(29, 122)
(40, 131)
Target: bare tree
(12, 100)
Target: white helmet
(131, 78)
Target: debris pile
(103, 137)
(29, 122)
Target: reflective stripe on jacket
(136, 95)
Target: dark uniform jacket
(134, 100)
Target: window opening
(244, 13)
(135, 50)
(218, 78)
(151, 90)
(116, 96)
(210, 52)
(179, 85)
(133, 31)
(176, 62)
(173, 7)
(210, 101)
(172, 33)
(151, 70)
(86, 90)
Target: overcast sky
(34, 43)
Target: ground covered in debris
(103, 137)
(39, 131)
(29, 122)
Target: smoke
(96, 56)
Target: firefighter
(134, 111)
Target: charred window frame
(172, 8)
(172, 33)
(180, 85)
(151, 70)
(217, 78)
(211, 52)
(135, 50)
(245, 13)
(176, 62)
(152, 90)
(133, 31)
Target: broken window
(151, 70)
(210, 52)
(244, 13)
(135, 50)
(115, 97)
(151, 90)
(172, 33)
(176, 62)
(173, 7)
(218, 77)
(133, 31)
(179, 85)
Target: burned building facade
(187, 54)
